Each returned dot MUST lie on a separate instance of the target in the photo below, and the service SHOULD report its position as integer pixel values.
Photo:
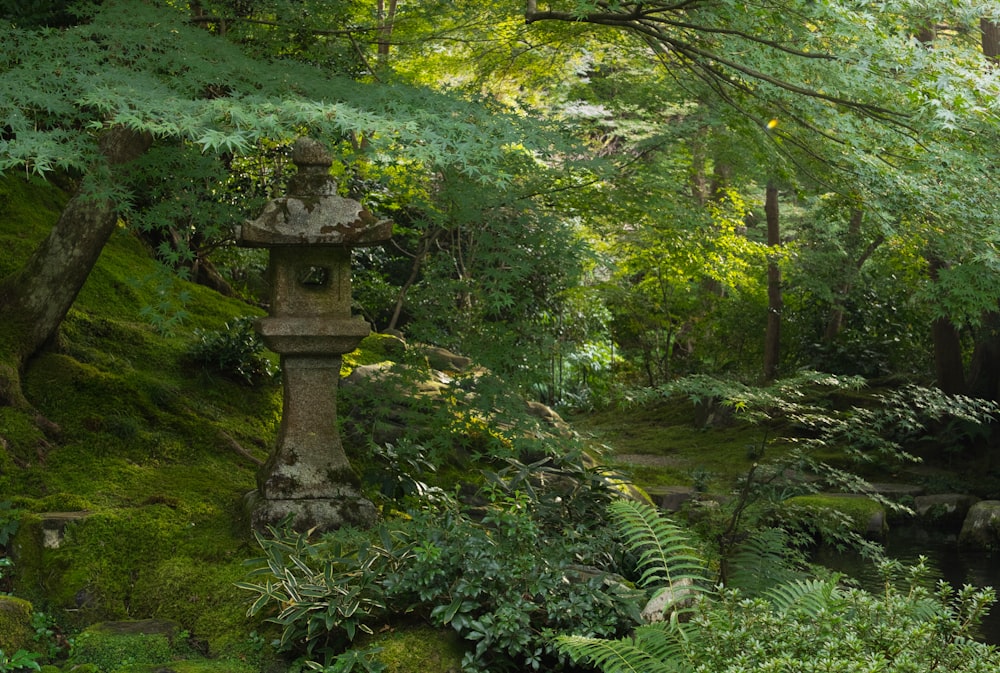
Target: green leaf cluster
(806, 625)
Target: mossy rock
(422, 648)
(867, 515)
(15, 624)
(116, 646)
(981, 528)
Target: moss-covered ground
(144, 446)
(663, 444)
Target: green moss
(200, 595)
(15, 624)
(22, 440)
(112, 652)
(29, 207)
(420, 649)
(673, 450)
(867, 515)
(373, 349)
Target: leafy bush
(505, 584)
(22, 660)
(801, 626)
(235, 351)
(532, 560)
(328, 591)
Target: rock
(423, 649)
(670, 498)
(548, 415)
(544, 412)
(54, 526)
(943, 510)
(895, 491)
(444, 360)
(15, 624)
(364, 373)
(669, 599)
(391, 344)
(981, 528)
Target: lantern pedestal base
(317, 514)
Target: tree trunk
(948, 366)
(426, 241)
(984, 367)
(772, 338)
(990, 38)
(34, 300)
(386, 22)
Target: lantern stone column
(309, 234)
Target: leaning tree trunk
(772, 338)
(35, 300)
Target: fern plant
(804, 625)
(666, 559)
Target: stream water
(945, 560)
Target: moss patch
(113, 649)
(15, 624)
(146, 447)
(866, 515)
(674, 450)
(420, 649)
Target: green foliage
(112, 652)
(356, 661)
(809, 625)
(22, 660)
(506, 585)
(9, 522)
(236, 351)
(505, 577)
(665, 557)
(327, 592)
(894, 427)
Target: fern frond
(665, 554)
(809, 597)
(613, 656)
(763, 561)
(665, 641)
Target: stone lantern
(309, 235)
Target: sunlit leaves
(144, 68)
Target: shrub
(506, 575)
(804, 626)
(235, 351)
(507, 586)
